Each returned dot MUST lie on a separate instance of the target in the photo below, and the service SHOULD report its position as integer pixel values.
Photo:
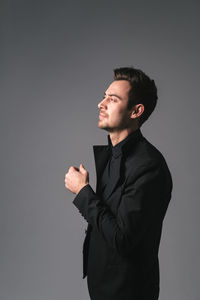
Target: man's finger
(72, 169)
(82, 169)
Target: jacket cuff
(81, 194)
(83, 200)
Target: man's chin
(101, 126)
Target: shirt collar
(125, 144)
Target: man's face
(113, 115)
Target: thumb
(82, 169)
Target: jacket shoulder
(145, 156)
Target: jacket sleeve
(143, 200)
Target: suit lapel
(101, 155)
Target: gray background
(57, 59)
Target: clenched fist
(76, 179)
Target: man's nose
(102, 103)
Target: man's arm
(140, 204)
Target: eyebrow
(114, 96)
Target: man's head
(129, 100)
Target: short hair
(143, 90)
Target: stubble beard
(123, 125)
(102, 126)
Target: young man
(134, 184)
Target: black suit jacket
(120, 250)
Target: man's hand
(76, 179)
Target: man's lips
(102, 115)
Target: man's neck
(118, 136)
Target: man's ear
(137, 111)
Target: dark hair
(143, 90)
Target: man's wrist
(82, 186)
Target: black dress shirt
(116, 152)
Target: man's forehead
(121, 86)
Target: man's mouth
(101, 115)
